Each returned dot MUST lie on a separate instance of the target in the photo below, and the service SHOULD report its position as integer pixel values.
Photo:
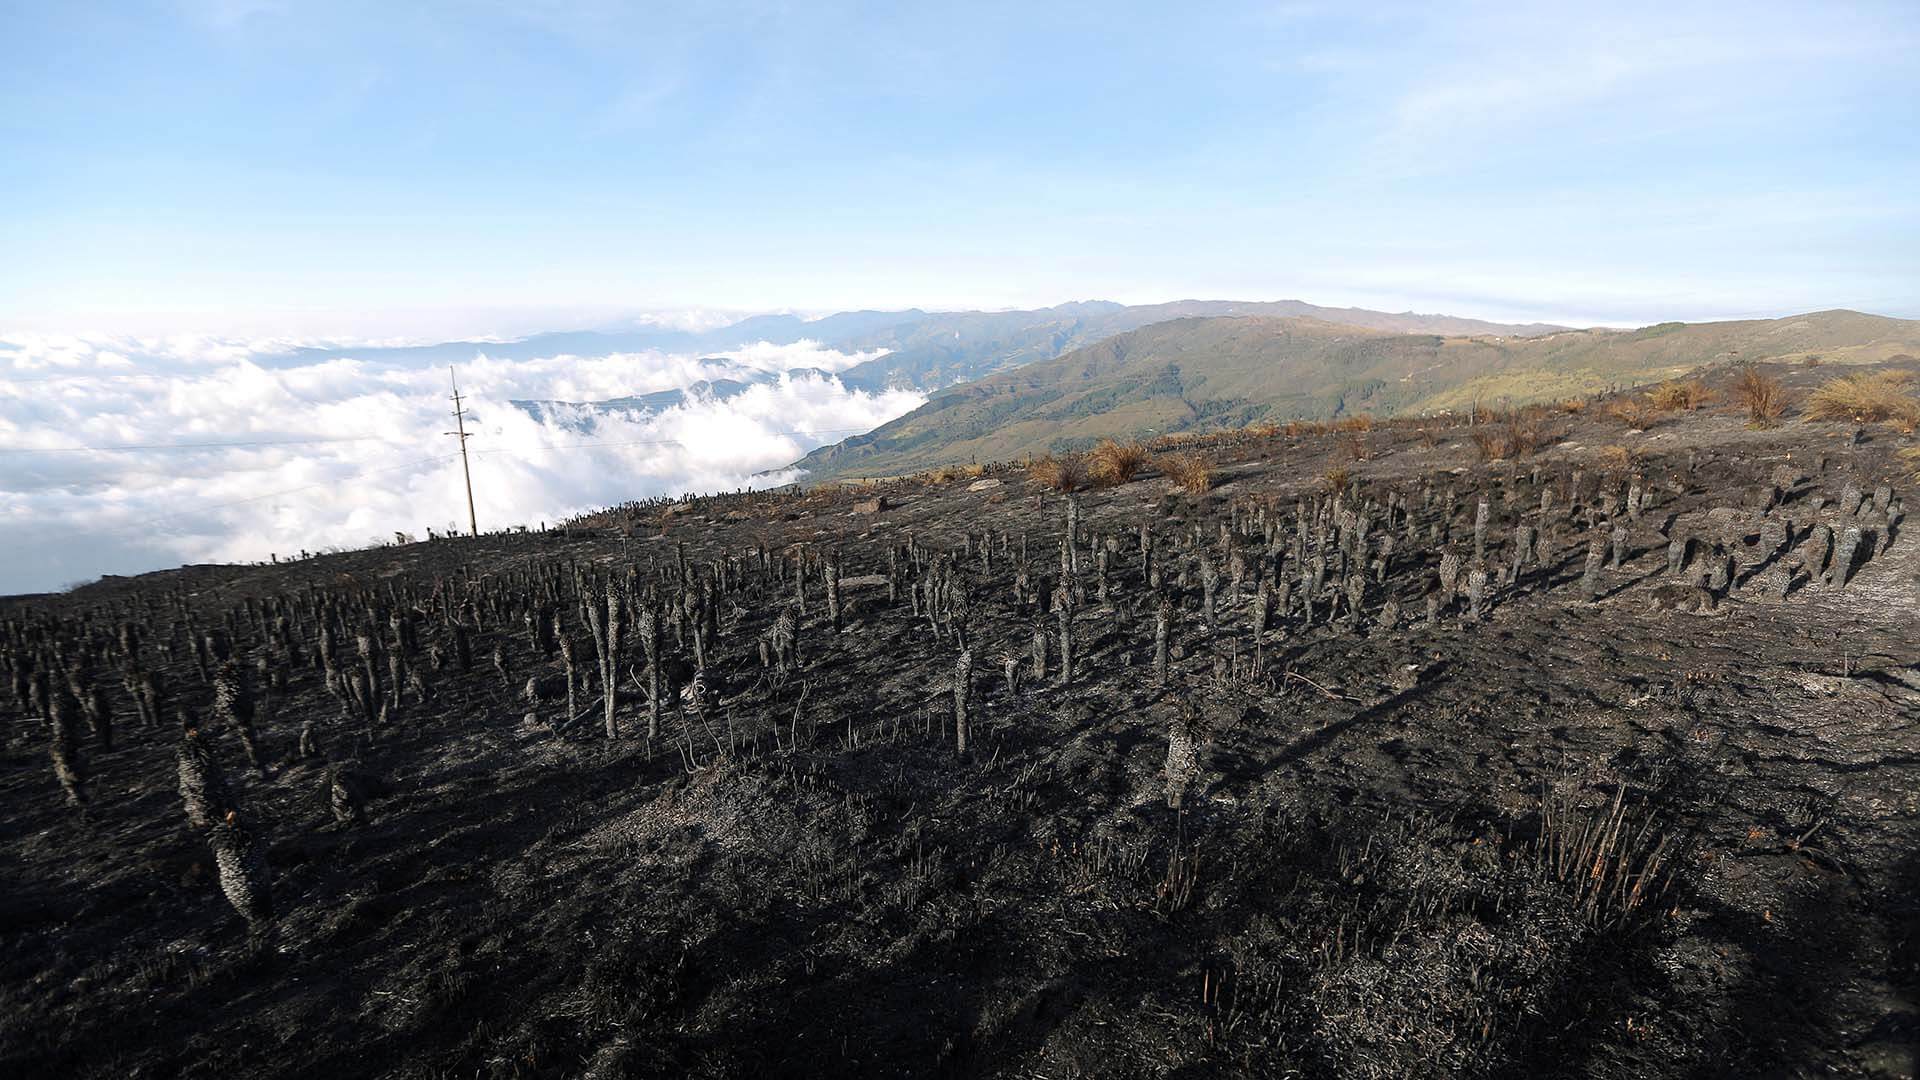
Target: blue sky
(251, 166)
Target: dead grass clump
(1763, 396)
(1680, 394)
(1617, 862)
(1264, 429)
(1117, 462)
(1514, 439)
(1614, 458)
(1059, 472)
(1174, 440)
(1634, 411)
(1193, 472)
(1881, 397)
(1489, 444)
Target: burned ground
(1627, 819)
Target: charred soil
(1376, 759)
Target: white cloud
(73, 514)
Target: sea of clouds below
(66, 517)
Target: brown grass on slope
(1193, 472)
(1866, 399)
(1687, 394)
(1634, 411)
(1763, 396)
(1059, 472)
(1117, 462)
(1513, 439)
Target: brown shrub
(1059, 472)
(1763, 396)
(1866, 399)
(1193, 472)
(1117, 462)
(1687, 394)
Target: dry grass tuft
(1514, 439)
(1881, 397)
(1763, 396)
(1264, 429)
(1117, 462)
(1193, 472)
(1617, 861)
(1059, 472)
(1681, 394)
(1615, 458)
(1636, 412)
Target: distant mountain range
(1008, 383)
(1187, 373)
(924, 351)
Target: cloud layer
(121, 455)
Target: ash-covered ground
(1597, 761)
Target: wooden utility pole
(460, 425)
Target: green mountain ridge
(1198, 372)
(932, 351)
